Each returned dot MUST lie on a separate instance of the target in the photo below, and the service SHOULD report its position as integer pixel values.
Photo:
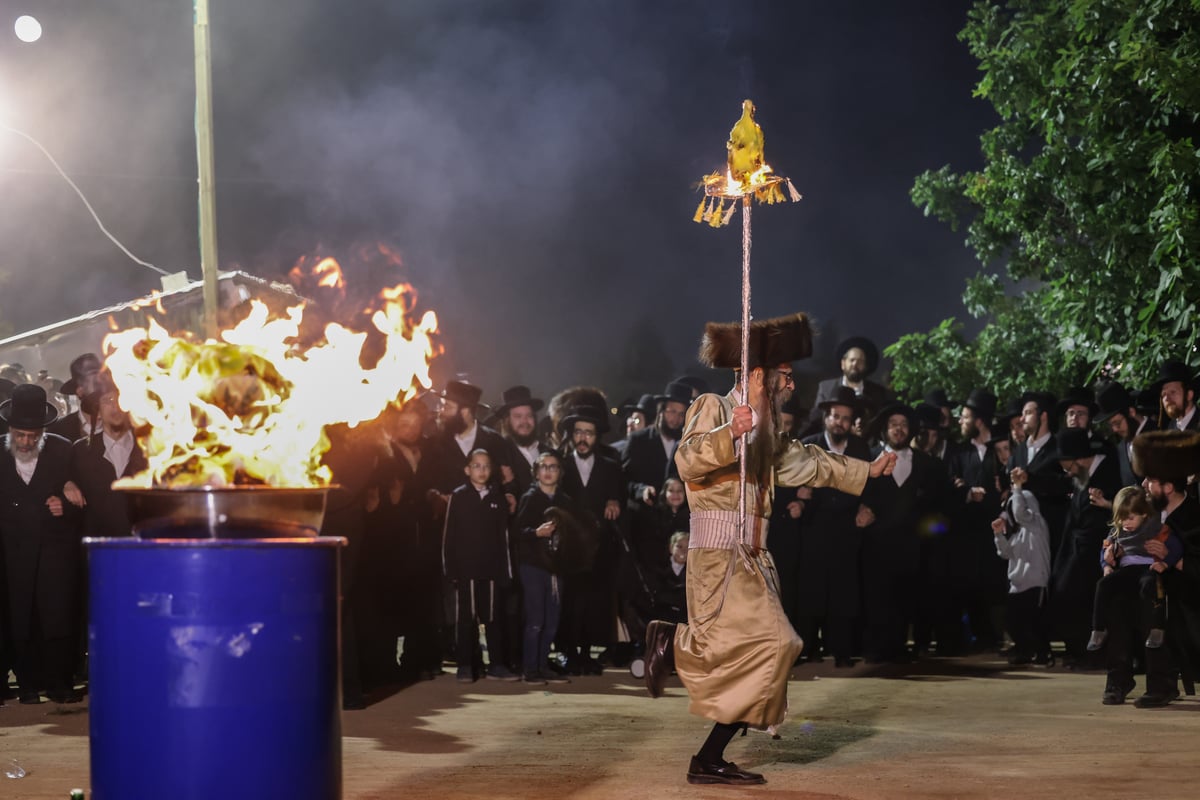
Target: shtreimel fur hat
(772, 342)
(1167, 454)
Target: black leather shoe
(1155, 700)
(660, 655)
(30, 698)
(64, 696)
(1115, 695)
(721, 772)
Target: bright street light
(28, 29)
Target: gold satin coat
(736, 651)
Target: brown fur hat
(772, 342)
(1167, 454)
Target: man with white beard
(42, 555)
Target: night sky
(533, 162)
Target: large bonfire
(252, 406)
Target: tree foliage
(1088, 197)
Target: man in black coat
(1096, 480)
(824, 585)
(39, 534)
(1116, 406)
(517, 420)
(978, 576)
(1166, 458)
(589, 602)
(1037, 458)
(100, 459)
(460, 432)
(649, 457)
(859, 358)
(1176, 390)
(891, 540)
(85, 370)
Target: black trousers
(1027, 623)
(1136, 579)
(480, 602)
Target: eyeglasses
(583, 433)
(788, 378)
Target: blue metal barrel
(213, 669)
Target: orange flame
(252, 407)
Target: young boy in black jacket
(475, 556)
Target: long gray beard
(767, 444)
(25, 458)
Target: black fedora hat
(699, 385)
(645, 404)
(1005, 418)
(1075, 443)
(462, 393)
(983, 403)
(1170, 372)
(1112, 398)
(875, 429)
(676, 392)
(937, 397)
(843, 396)
(27, 409)
(585, 414)
(1045, 402)
(929, 416)
(83, 372)
(1077, 396)
(870, 351)
(515, 396)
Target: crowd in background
(559, 529)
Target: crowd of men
(921, 564)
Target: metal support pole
(204, 161)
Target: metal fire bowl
(225, 512)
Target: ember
(252, 408)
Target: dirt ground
(967, 728)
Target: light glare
(28, 29)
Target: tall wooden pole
(204, 161)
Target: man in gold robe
(736, 650)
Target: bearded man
(736, 650)
(1116, 407)
(517, 416)
(1166, 458)
(858, 358)
(1097, 480)
(39, 535)
(1177, 394)
(648, 458)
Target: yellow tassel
(729, 212)
(792, 191)
(776, 193)
(717, 213)
(708, 211)
(699, 217)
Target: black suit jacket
(603, 485)
(451, 461)
(645, 463)
(42, 552)
(107, 511)
(874, 396)
(69, 427)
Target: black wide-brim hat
(1077, 396)
(1170, 372)
(938, 397)
(645, 404)
(929, 416)
(1045, 403)
(463, 393)
(781, 340)
(876, 426)
(870, 351)
(1112, 398)
(843, 396)
(676, 392)
(584, 414)
(1166, 454)
(27, 409)
(1075, 443)
(983, 403)
(518, 396)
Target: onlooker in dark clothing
(475, 558)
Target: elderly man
(735, 652)
(42, 553)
